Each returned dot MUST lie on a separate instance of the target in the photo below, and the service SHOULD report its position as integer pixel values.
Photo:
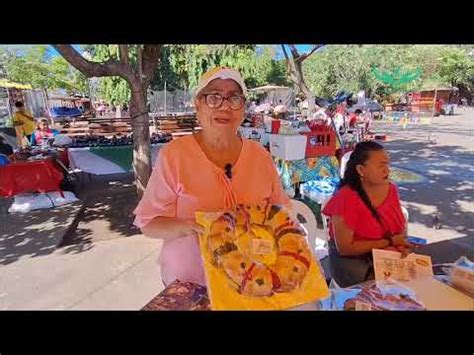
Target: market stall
(401, 284)
(40, 174)
(103, 160)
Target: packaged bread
(257, 258)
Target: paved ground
(443, 153)
(105, 264)
(96, 266)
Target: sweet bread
(260, 249)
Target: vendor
(365, 214)
(43, 132)
(354, 118)
(207, 171)
(5, 148)
(24, 123)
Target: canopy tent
(275, 95)
(4, 83)
(268, 88)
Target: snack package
(461, 275)
(258, 258)
(180, 296)
(377, 296)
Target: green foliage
(456, 67)
(182, 65)
(348, 67)
(112, 89)
(33, 66)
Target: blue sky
(302, 48)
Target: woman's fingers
(197, 228)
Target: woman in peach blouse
(212, 170)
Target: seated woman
(365, 214)
(42, 132)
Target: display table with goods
(403, 284)
(104, 160)
(308, 157)
(34, 173)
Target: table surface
(436, 295)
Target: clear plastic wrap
(374, 295)
(257, 257)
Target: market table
(297, 171)
(188, 296)
(29, 176)
(433, 294)
(106, 160)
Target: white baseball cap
(220, 73)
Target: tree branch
(294, 52)
(123, 54)
(284, 52)
(150, 60)
(288, 64)
(306, 55)
(93, 69)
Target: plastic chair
(305, 216)
(407, 216)
(345, 158)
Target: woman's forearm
(165, 228)
(361, 247)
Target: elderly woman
(212, 170)
(42, 132)
(365, 214)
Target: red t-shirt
(352, 120)
(357, 216)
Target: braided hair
(351, 176)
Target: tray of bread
(258, 257)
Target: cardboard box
(288, 147)
(256, 134)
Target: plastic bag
(62, 140)
(257, 258)
(461, 275)
(374, 295)
(30, 202)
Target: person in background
(354, 118)
(100, 108)
(365, 214)
(5, 148)
(24, 123)
(43, 132)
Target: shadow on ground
(448, 251)
(35, 233)
(448, 188)
(108, 212)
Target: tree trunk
(298, 79)
(304, 88)
(141, 138)
(295, 68)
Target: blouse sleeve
(343, 204)
(159, 197)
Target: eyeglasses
(236, 102)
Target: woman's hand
(400, 240)
(171, 228)
(187, 228)
(400, 244)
